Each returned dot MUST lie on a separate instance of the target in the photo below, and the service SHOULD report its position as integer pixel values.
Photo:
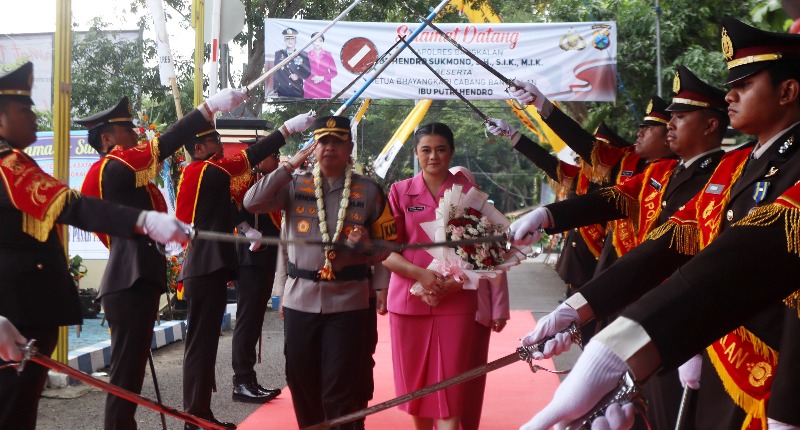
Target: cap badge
(649, 107)
(727, 45)
(676, 83)
(331, 123)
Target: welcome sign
(573, 61)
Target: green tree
(107, 67)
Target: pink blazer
(492, 300)
(412, 204)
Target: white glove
(689, 372)
(595, 374)
(164, 228)
(10, 340)
(225, 100)
(250, 233)
(616, 417)
(550, 325)
(527, 229)
(527, 94)
(300, 123)
(777, 425)
(498, 127)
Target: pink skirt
(427, 349)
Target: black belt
(349, 273)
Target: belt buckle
(316, 276)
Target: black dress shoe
(271, 392)
(252, 393)
(231, 426)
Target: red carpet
(513, 393)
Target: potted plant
(77, 270)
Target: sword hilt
(627, 391)
(526, 351)
(28, 351)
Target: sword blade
(469, 54)
(474, 373)
(117, 391)
(447, 84)
(375, 247)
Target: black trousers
(20, 393)
(131, 314)
(253, 290)
(207, 296)
(324, 364)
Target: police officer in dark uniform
(289, 78)
(651, 197)
(208, 185)
(256, 274)
(135, 276)
(763, 72)
(36, 292)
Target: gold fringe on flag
(623, 203)
(685, 238)
(144, 176)
(600, 173)
(40, 229)
(755, 408)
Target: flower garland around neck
(326, 273)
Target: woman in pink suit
(323, 69)
(492, 315)
(429, 343)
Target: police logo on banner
(601, 38)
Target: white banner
(573, 61)
(166, 68)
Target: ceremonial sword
(627, 391)
(383, 66)
(31, 353)
(376, 246)
(483, 116)
(523, 353)
(469, 54)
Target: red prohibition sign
(358, 54)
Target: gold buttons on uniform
(663, 204)
(574, 244)
(39, 266)
(729, 215)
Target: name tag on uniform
(415, 208)
(715, 188)
(628, 173)
(655, 184)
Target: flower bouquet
(467, 216)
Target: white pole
(213, 76)
(658, 47)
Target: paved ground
(534, 286)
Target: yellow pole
(198, 7)
(61, 108)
